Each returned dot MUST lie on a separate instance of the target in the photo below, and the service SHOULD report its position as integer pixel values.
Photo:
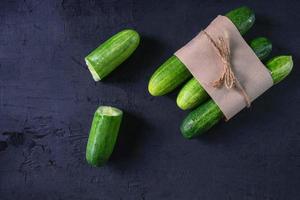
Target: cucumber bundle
(173, 73)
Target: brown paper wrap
(202, 60)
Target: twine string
(227, 78)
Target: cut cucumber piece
(103, 135)
(109, 55)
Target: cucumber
(208, 114)
(173, 72)
(103, 135)
(280, 67)
(109, 55)
(192, 93)
(168, 76)
(243, 18)
(262, 47)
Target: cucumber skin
(102, 138)
(262, 47)
(161, 84)
(279, 73)
(207, 115)
(193, 94)
(194, 124)
(109, 55)
(243, 18)
(166, 78)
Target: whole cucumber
(193, 94)
(208, 114)
(173, 72)
(112, 53)
(103, 135)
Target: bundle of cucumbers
(174, 73)
(170, 75)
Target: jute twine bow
(227, 78)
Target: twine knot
(227, 78)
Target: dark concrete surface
(48, 97)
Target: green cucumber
(168, 76)
(173, 72)
(208, 114)
(243, 18)
(280, 67)
(103, 135)
(109, 55)
(193, 94)
(262, 47)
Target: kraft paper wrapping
(202, 60)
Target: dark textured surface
(47, 100)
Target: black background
(48, 97)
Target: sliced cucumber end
(95, 75)
(109, 111)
